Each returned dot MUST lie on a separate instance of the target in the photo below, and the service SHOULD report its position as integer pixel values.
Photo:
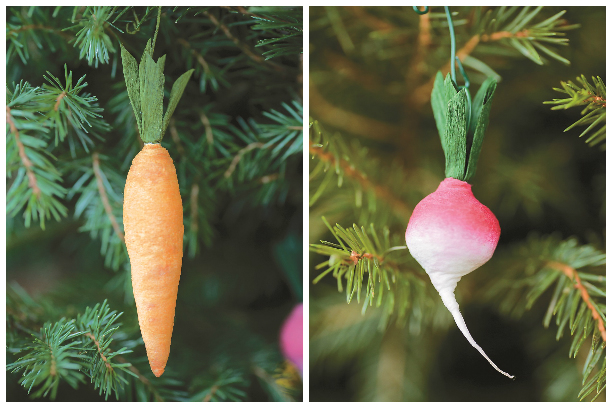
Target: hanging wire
(454, 58)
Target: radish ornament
(450, 233)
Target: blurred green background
(368, 85)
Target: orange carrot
(152, 207)
(153, 221)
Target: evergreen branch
(518, 34)
(95, 45)
(142, 379)
(23, 29)
(593, 98)
(97, 325)
(238, 156)
(196, 54)
(332, 154)
(243, 46)
(104, 197)
(70, 107)
(22, 154)
(284, 24)
(224, 385)
(358, 253)
(349, 121)
(207, 128)
(36, 184)
(52, 358)
(541, 263)
(100, 201)
(274, 144)
(572, 274)
(350, 171)
(418, 65)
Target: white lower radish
(450, 234)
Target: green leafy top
(461, 123)
(145, 86)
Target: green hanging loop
(419, 12)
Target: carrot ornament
(152, 207)
(450, 233)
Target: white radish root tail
(448, 298)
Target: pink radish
(450, 234)
(291, 339)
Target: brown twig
(348, 121)
(91, 336)
(22, 154)
(58, 100)
(175, 138)
(193, 199)
(349, 69)
(211, 394)
(268, 178)
(244, 47)
(39, 27)
(142, 378)
(422, 94)
(572, 274)
(196, 54)
(207, 128)
(246, 12)
(239, 155)
(104, 197)
(384, 193)
(418, 67)
(375, 23)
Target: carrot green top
(461, 123)
(145, 86)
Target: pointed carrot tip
(158, 371)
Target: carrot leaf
(130, 72)
(152, 97)
(481, 107)
(145, 86)
(175, 96)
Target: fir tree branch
(100, 353)
(176, 139)
(358, 253)
(518, 33)
(207, 128)
(193, 198)
(22, 154)
(144, 380)
(418, 66)
(593, 98)
(572, 274)
(196, 54)
(238, 156)
(243, 46)
(104, 197)
(349, 170)
(349, 121)
(534, 272)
